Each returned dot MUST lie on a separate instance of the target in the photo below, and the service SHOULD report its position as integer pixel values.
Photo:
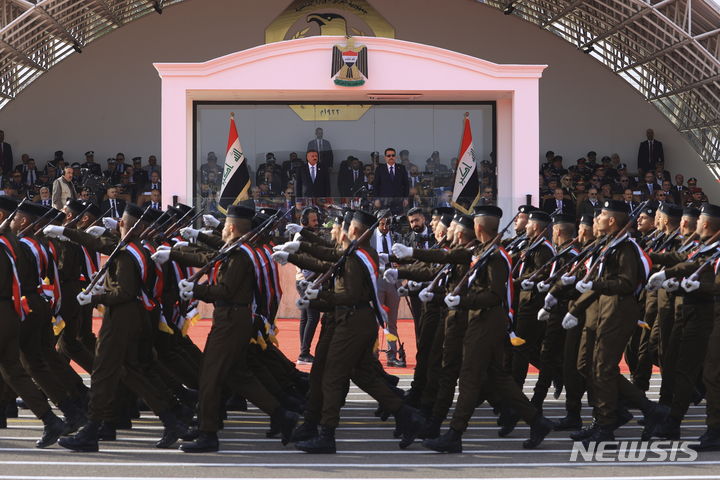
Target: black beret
(8, 204)
(563, 218)
(56, 216)
(443, 211)
(93, 209)
(365, 218)
(347, 219)
(710, 210)
(648, 210)
(488, 210)
(526, 208)
(165, 217)
(183, 208)
(586, 220)
(238, 211)
(539, 216)
(259, 219)
(75, 206)
(133, 210)
(415, 211)
(173, 211)
(152, 215)
(466, 221)
(671, 210)
(268, 212)
(446, 219)
(337, 218)
(32, 209)
(89, 153)
(691, 212)
(616, 206)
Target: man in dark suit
(154, 202)
(566, 207)
(312, 180)
(591, 203)
(391, 179)
(6, 155)
(650, 152)
(683, 191)
(323, 147)
(350, 178)
(112, 203)
(649, 186)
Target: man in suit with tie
(591, 203)
(154, 201)
(31, 175)
(629, 199)
(682, 190)
(154, 183)
(350, 178)
(649, 186)
(6, 155)
(558, 202)
(112, 203)
(391, 180)
(323, 147)
(312, 180)
(650, 152)
(382, 241)
(45, 199)
(120, 165)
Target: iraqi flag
(466, 191)
(236, 178)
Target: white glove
(543, 315)
(567, 280)
(54, 231)
(543, 287)
(671, 284)
(96, 231)
(99, 287)
(186, 289)
(414, 286)
(384, 258)
(161, 255)
(690, 285)
(425, 295)
(452, 301)
(290, 247)
(583, 287)
(210, 221)
(110, 223)
(550, 301)
(312, 293)
(570, 321)
(280, 257)
(302, 304)
(403, 291)
(189, 233)
(391, 275)
(402, 251)
(206, 231)
(527, 285)
(655, 281)
(303, 284)
(293, 228)
(181, 244)
(84, 298)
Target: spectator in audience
(120, 165)
(605, 192)
(85, 195)
(77, 177)
(288, 200)
(350, 178)
(614, 169)
(681, 188)
(629, 199)
(153, 166)
(595, 181)
(155, 200)
(659, 197)
(289, 167)
(90, 164)
(486, 197)
(414, 177)
(649, 186)
(16, 183)
(210, 167)
(416, 200)
(270, 166)
(63, 189)
(6, 154)
(45, 199)
(109, 173)
(670, 193)
(22, 166)
(591, 159)
(126, 187)
(650, 152)
(374, 160)
(272, 183)
(660, 172)
(113, 203)
(591, 203)
(556, 168)
(31, 176)
(139, 176)
(405, 160)
(433, 164)
(312, 180)
(324, 149)
(622, 184)
(696, 198)
(567, 187)
(391, 178)
(154, 183)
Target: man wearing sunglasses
(391, 178)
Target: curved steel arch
(668, 50)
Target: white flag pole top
(234, 156)
(466, 161)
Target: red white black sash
(372, 271)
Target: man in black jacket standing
(650, 152)
(391, 180)
(312, 180)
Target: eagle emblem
(349, 64)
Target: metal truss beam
(20, 56)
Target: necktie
(312, 173)
(385, 244)
(559, 205)
(392, 172)
(650, 187)
(114, 208)
(318, 145)
(650, 145)
(355, 174)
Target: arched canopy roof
(668, 50)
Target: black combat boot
(709, 441)
(107, 432)
(539, 429)
(571, 421)
(74, 416)
(305, 431)
(323, 443)
(601, 434)
(507, 420)
(86, 440)
(669, 429)
(655, 414)
(205, 442)
(283, 422)
(409, 422)
(585, 432)
(173, 430)
(431, 428)
(448, 442)
(54, 429)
